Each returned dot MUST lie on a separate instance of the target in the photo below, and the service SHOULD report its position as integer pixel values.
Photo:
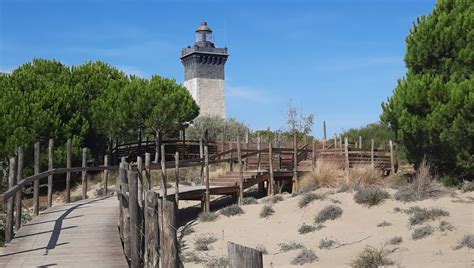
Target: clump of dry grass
(304, 257)
(371, 195)
(372, 257)
(326, 174)
(266, 211)
(466, 241)
(203, 242)
(330, 212)
(422, 232)
(363, 175)
(327, 243)
(310, 197)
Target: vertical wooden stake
(324, 130)
(360, 142)
(346, 152)
(169, 256)
(201, 155)
(335, 140)
(392, 159)
(36, 182)
(152, 237)
(9, 221)
(164, 187)
(258, 148)
(372, 152)
(140, 181)
(313, 156)
(148, 170)
(19, 195)
(271, 185)
(176, 178)
(231, 162)
(50, 167)
(295, 164)
(68, 174)
(340, 141)
(241, 173)
(84, 173)
(206, 174)
(132, 177)
(106, 174)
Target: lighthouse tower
(204, 73)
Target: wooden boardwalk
(79, 234)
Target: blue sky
(338, 59)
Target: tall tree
(432, 108)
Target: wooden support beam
(240, 256)
(19, 194)
(50, 167)
(140, 181)
(84, 173)
(164, 187)
(206, 174)
(231, 162)
(135, 228)
(201, 155)
(392, 158)
(313, 156)
(169, 256)
(335, 140)
(271, 184)
(372, 152)
(152, 233)
(295, 164)
(148, 170)
(106, 175)
(9, 217)
(36, 182)
(68, 174)
(346, 153)
(241, 173)
(324, 130)
(360, 142)
(126, 211)
(176, 178)
(259, 154)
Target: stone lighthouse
(204, 73)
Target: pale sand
(357, 222)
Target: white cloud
(250, 94)
(133, 70)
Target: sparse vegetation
(272, 199)
(326, 243)
(207, 216)
(467, 186)
(466, 241)
(304, 257)
(306, 228)
(420, 216)
(308, 198)
(422, 232)
(384, 224)
(217, 262)
(372, 257)
(186, 230)
(203, 242)
(319, 227)
(266, 211)
(326, 174)
(330, 212)
(249, 201)
(371, 196)
(445, 226)
(362, 176)
(192, 256)
(395, 240)
(232, 210)
(293, 245)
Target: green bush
(419, 216)
(249, 201)
(266, 211)
(395, 240)
(232, 210)
(293, 245)
(330, 212)
(306, 228)
(272, 199)
(207, 216)
(372, 257)
(422, 232)
(304, 257)
(308, 198)
(326, 243)
(466, 241)
(371, 196)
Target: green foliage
(215, 126)
(232, 210)
(371, 196)
(330, 212)
(306, 228)
(372, 257)
(379, 132)
(422, 232)
(432, 108)
(292, 245)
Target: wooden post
(50, 167)
(119, 189)
(340, 141)
(271, 185)
(324, 130)
(206, 174)
(241, 173)
(324, 144)
(335, 140)
(346, 152)
(106, 174)
(201, 155)
(132, 177)
(9, 221)
(36, 182)
(169, 256)
(68, 174)
(164, 187)
(392, 159)
(152, 235)
(140, 181)
(295, 165)
(258, 148)
(313, 156)
(84, 173)
(148, 170)
(231, 162)
(360, 142)
(19, 177)
(372, 152)
(240, 256)
(176, 178)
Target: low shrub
(272, 199)
(326, 243)
(262, 249)
(371, 196)
(344, 188)
(187, 230)
(232, 210)
(445, 226)
(293, 245)
(362, 176)
(422, 232)
(395, 240)
(327, 174)
(330, 212)
(372, 257)
(420, 216)
(384, 224)
(249, 201)
(304, 257)
(207, 216)
(308, 198)
(468, 186)
(306, 228)
(203, 242)
(217, 262)
(192, 257)
(466, 241)
(266, 211)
